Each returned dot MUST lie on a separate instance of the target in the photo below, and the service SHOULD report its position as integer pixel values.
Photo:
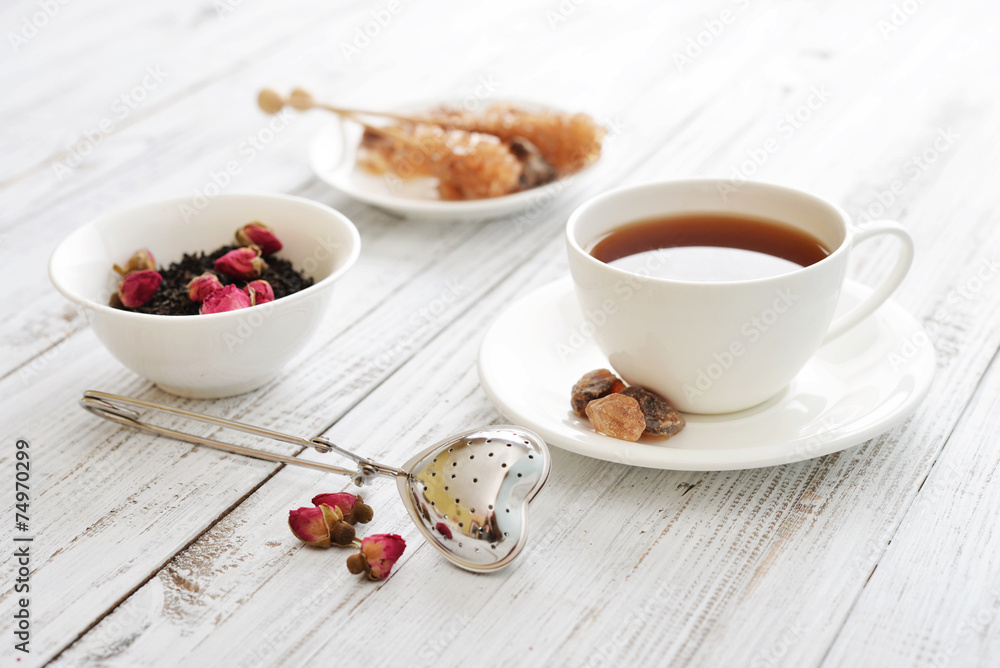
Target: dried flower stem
(271, 102)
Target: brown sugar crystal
(662, 419)
(594, 385)
(468, 165)
(567, 141)
(617, 416)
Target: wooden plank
(132, 165)
(103, 37)
(754, 527)
(644, 590)
(410, 410)
(164, 485)
(722, 578)
(383, 339)
(935, 597)
(708, 569)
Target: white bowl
(215, 355)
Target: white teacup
(719, 347)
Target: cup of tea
(713, 295)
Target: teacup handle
(882, 292)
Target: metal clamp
(116, 408)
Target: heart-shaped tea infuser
(468, 494)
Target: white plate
(333, 159)
(854, 388)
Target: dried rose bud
(361, 512)
(352, 506)
(443, 529)
(140, 261)
(378, 555)
(202, 287)
(229, 298)
(259, 291)
(342, 500)
(312, 525)
(241, 263)
(341, 533)
(138, 287)
(356, 563)
(258, 234)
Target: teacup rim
(186, 320)
(577, 213)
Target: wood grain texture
(935, 597)
(181, 556)
(401, 312)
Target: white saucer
(333, 159)
(854, 388)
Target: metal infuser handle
(120, 409)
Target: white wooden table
(149, 552)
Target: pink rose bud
(260, 292)
(138, 287)
(352, 507)
(378, 555)
(260, 235)
(202, 287)
(229, 298)
(312, 525)
(241, 263)
(140, 261)
(342, 500)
